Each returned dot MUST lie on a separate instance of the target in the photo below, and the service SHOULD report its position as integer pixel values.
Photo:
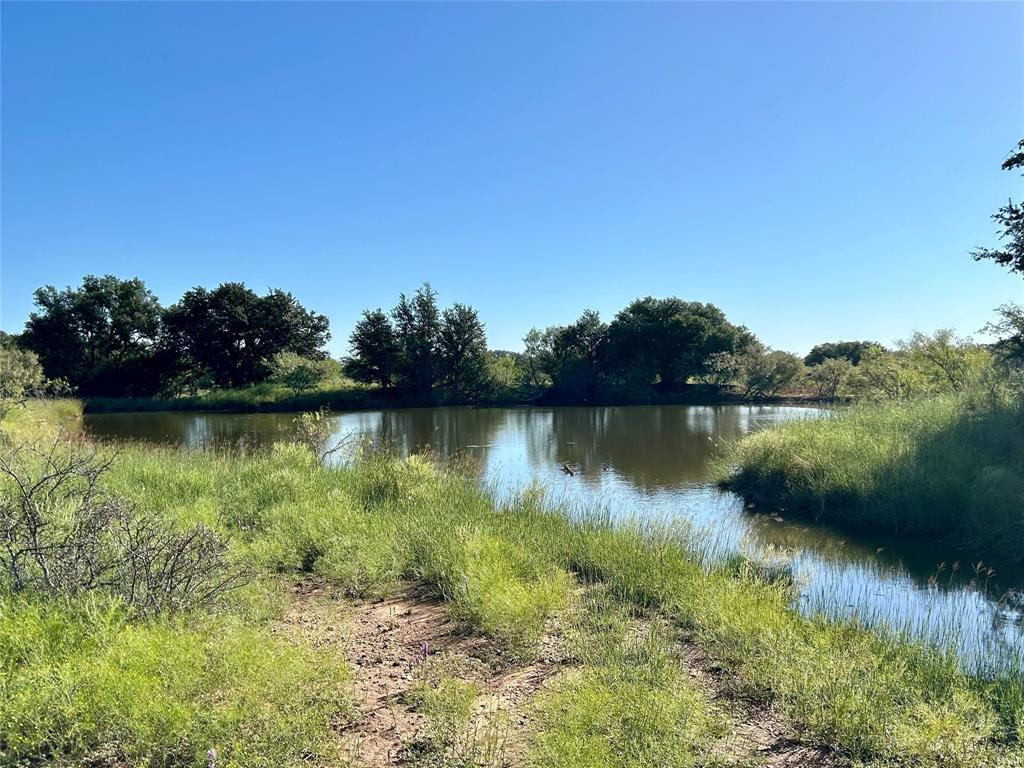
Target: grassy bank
(84, 679)
(938, 467)
(269, 397)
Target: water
(654, 460)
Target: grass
(506, 569)
(268, 396)
(81, 679)
(936, 467)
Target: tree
(536, 354)
(767, 374)
(574, 355)
(670, 340)
(722, 368)
(417, 326)
(99, 337)
(886, 375)
(829, 376)
(21, 376)
(1009, 348)
(375, 351)
(945, 362)
(1010, 219)
(230, 335)
(838, 350)
(462, 352)
(299, 373)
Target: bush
(21, 376)
(63, 535)
(301, 373)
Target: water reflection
(654, 461)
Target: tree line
(111, 336)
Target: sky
(818, 171)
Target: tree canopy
(229, 336)
(99, 337)
(838, 350)
(1010, 221)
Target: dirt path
(384, 642)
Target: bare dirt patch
(386, 642)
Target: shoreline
(344, 400)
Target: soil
(392, 643)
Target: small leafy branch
(60, 533)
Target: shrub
(63, 535)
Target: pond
(655, 461)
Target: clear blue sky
(818, 171)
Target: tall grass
(267, 396)
(506, 568)
(936, 467)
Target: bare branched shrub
(60, 533)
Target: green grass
(345, 395)
(936, 467)
(630, 702)
(506, 570)
(81, 680)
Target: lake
(655, 461)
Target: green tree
(230, 335)
(100, 337)
(375, 351)
(830, 376)
(1010, 219)
(417, 328)
(768, 373)
(21, 376)
(574, 355)
(887, 375)
(462, 352)
(668, 341)
(1009, 328)
(945, 362)
(299, 373)
(838, 350)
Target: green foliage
(375, 350)
(1009, 348)
(20, 376)
(573, 355)
(1010, 219)
(851, 351)
(300, 373)
(417, 325)
(768, 372)
(630, 703)
(935, 466)
(229, 336)
(462, 353)
(924, 364)
(504, 569)
(829, 377)
(670, 340)
(81, 681)
(99, 337)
